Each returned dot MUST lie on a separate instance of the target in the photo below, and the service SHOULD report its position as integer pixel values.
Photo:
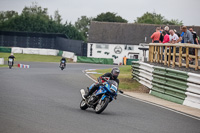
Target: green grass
(32, 57)
(125, 78)
(3, 65)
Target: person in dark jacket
(113, 75)
(11, 57)
(63, 59)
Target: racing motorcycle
(10, 62)
(100, 99)
(62, 65)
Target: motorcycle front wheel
(102, 104)
(83, 105)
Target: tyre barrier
(169, 84)
(23, 66)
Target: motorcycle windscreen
(113, 89)
(114, 86)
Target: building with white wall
(115, 40)
(115, 51)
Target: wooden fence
(173, 54)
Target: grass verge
(125, 78)
(3, 65)
(33, 57)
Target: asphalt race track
(44, 99)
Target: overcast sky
(186, 10)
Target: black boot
(92, 90)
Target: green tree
(109, 17)
(36, 19)
(57, 17)
(83, 24)
(7, 15)
(153, 18)
(35, 9)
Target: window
(129, 47)
(132, 56)
(102, 46)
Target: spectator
(194, 36)
(166, 29)
(156, 36)
(173, 37)
(161, 37)
(177, 33)
(124, 60)
(166, 37)
(181, 40)
(187, 37)
(165, 40)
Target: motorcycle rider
(12, 57)
(110, 76)
(63, 59)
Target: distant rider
(11, 57)
(109, 76)
(63, 59)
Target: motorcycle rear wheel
(102, 105)
(83, 105)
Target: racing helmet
(115, 72)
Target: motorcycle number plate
(10, 60)
(114, 88)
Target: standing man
(194, 36)
(124, 60)
(187, 37)
(156, 36)
(161, 36)
(173, 37)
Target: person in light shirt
(173, 37)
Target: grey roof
(123, 33)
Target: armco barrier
(37, 51)
(83, 59)
(17, 50)
(1, 61)
(173, 85)
(142, 73)
(68, 54)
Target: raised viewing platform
(175, 54)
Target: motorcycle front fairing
(105, 89)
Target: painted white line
(178, 112)
(90, 78)
(194, 117)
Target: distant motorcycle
(62, 65)
(10, 63)
(99, 100)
